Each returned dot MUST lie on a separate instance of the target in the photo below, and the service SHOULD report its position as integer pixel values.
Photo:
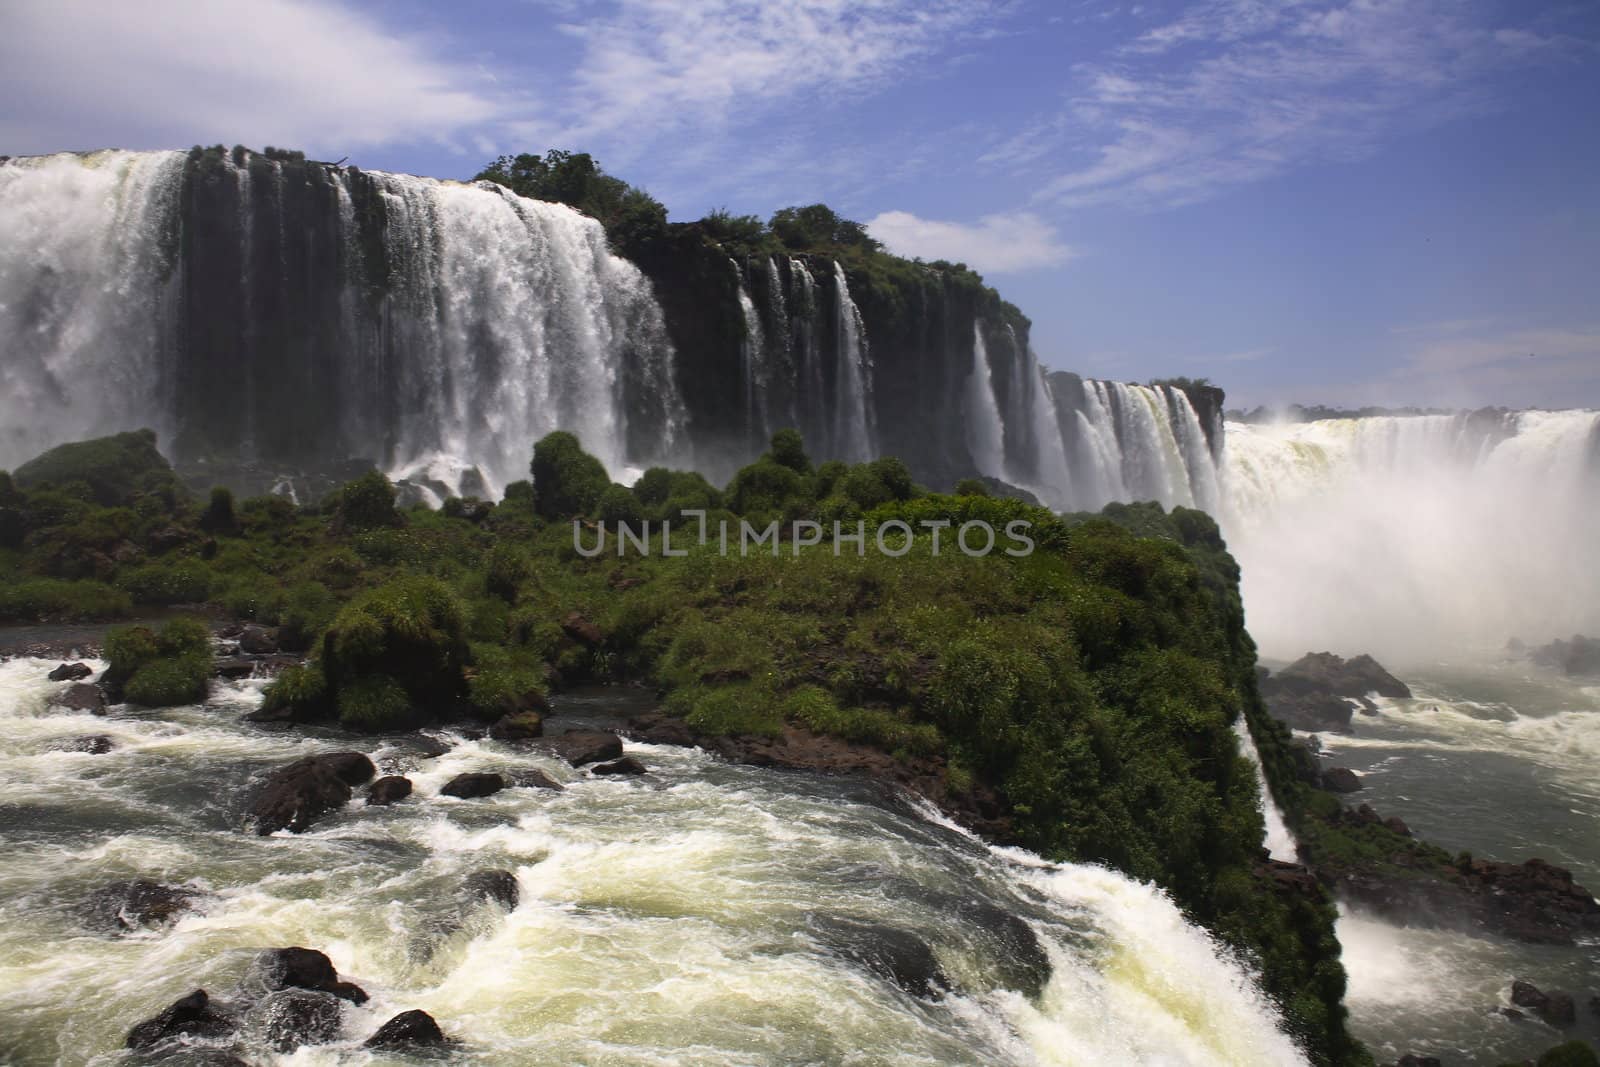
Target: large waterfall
(251, 306)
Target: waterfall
(1421, 535)
(1135, 442)
(1053, 473)
(88, 296)
(1279, 841)
(985, 433)
(854, 437)
(754, 366)
(422, 324)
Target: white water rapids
(675, 918)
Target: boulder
(71, 672)
(137, 904)
(191, 1016)
(388, 790)
(1320, 691)
(580, 747)
(93, 744)
(81, 696)
(523, 726)
(289, 1018)
(295, 796)
(472, 785)
(497, 885)
(895, 955)
(430, 747)
(536, 779)
(1579, 657)
(1557, 1009)
(582, 630)
(258, 640)
(627, 765)
(1341, 780)
(233, 668)
(408, 1030)
(304, 968)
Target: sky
(1320, 201)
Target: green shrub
(42, 599)
(375, 702)
(764, 486)
(116, 469)
(789, 450)
(367, 503)
(303, 689)
(971, 487)
(732, 710)
(505, 690)
(653, 487)
(170, 682)
(411, 631)
(567, 481)
(219, 517)
(183, 582)
(619, 505)
(508, 568)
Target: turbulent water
(1496, 757)
(260, 307)
(704, 914)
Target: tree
(567, 481)
(632, 217)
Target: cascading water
(88, 292)
(1279, 841)
(754, 366)
(1136, 442)
(411, 321)
(703, 914)
(854, 437)
(985, 432)
(1416, 534)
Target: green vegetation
(159, 669)
(1089, 686)
(632, 217)
(114, 469)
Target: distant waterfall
(1423, 535)
(854, 437)
(88, 296)
(251, 306)
(985, 433)
(754, 366)
(1136, 442)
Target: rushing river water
(703, 914)
(1497, 758)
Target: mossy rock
(116, 469)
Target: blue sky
(1339, 201)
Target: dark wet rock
(582, 630)
(473, 785)
(1557, 1009)
(659, 729)
(258, 640)
(82, 696)
(1341, 780)
(895, 955)
(580, 747)
(233, 668)
(295, 796)
(193, 1016)
(536, 779)
(388, 790)
(429, 747)
(1594, 1007)
(1513, 1014)
(408, 1030)
(1320, 691)
(71, 672)
(304, 968)
(93, 744)
(1410, 1060)
(1579, 657)
(1020, 959)
(496, 885)
(289, 1018)
(626, 766)
(1397, 825)
(137, 904)
(522, 726)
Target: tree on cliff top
(631, 216)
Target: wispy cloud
(316, 75)
(994, 244)
(1235, 91)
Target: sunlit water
(1499, 759)
(678, 918)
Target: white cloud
(1236, 91)
(668, 64)
(315, 75)
(994, 244)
